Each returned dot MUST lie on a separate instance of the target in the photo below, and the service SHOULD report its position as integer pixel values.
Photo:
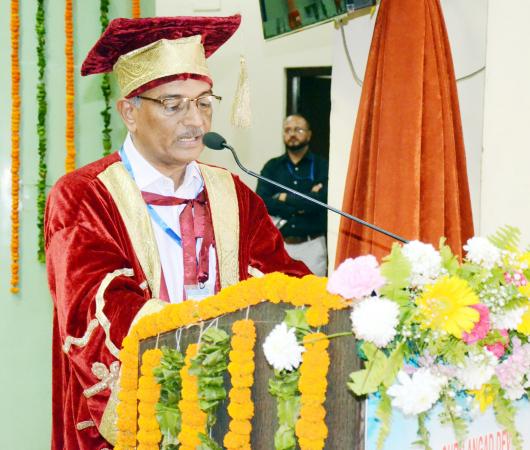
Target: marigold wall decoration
(136, 13)
(15, 145)
(70, 89)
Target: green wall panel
(25, 319)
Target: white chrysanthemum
(507, 320)
(375, 320)
(481, 251)
(282, 349)
(477, 370)
(417, 393)
(425, 261)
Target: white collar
(151, 180)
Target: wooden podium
(344, 413)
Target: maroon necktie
(195, 222)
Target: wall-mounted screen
(285, 16)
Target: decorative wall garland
(15, 145)
(40, 28)
(136, 13)
(241, 369)
(70, 90)
(148, 394)
(105, 85)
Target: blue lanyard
(154, 215)
(311, 176)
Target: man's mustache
(191, 133)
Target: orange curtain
(407, 170)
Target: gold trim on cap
(160, 59)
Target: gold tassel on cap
(241, 112)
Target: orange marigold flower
(317, 316)
(241, 411)
(241, 426)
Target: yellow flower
(317, 316)
(484, 396)
(445, 306)
(525, 259)
(525, 290)
(524, 326)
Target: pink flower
(517, 278)
(481, 327)
(356, 278)
(499, 348)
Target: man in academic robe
(146, 225)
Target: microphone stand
(311, 199)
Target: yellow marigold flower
(241, 411)
(444, 305)
(311, 444)
(238, 395)
(311, 399)
(524, 326)
(244, 328)
(313, 413)
(311, 430)
(317, 316)
(317, 341)
(241, 426)
(234, 440)
(240, 356)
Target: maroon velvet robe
(86, 239)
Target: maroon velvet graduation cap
(147, 52)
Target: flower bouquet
(433, 330)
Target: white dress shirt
(151, 180)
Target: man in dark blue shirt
(302, 223)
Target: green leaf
(379, 369)
(288, 410)
(505, 415)
(449, 261)
(384, 414)
(283, 386)
(284, 438)
(506, 238)
(169, 420)
(449, 416)
(396, 268)
(295, 318)
(207, 443)
(423, 433)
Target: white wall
(506, 161)
(266, 61)
(466, 24)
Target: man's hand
(282, 197)
(317, 187)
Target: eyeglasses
(180, 106)
(296, 130)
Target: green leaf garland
(105, 85)
(40, 28)
(209, 366)
(167, 409)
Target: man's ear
(128, 113)
(309, 134)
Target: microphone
(215, 141)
